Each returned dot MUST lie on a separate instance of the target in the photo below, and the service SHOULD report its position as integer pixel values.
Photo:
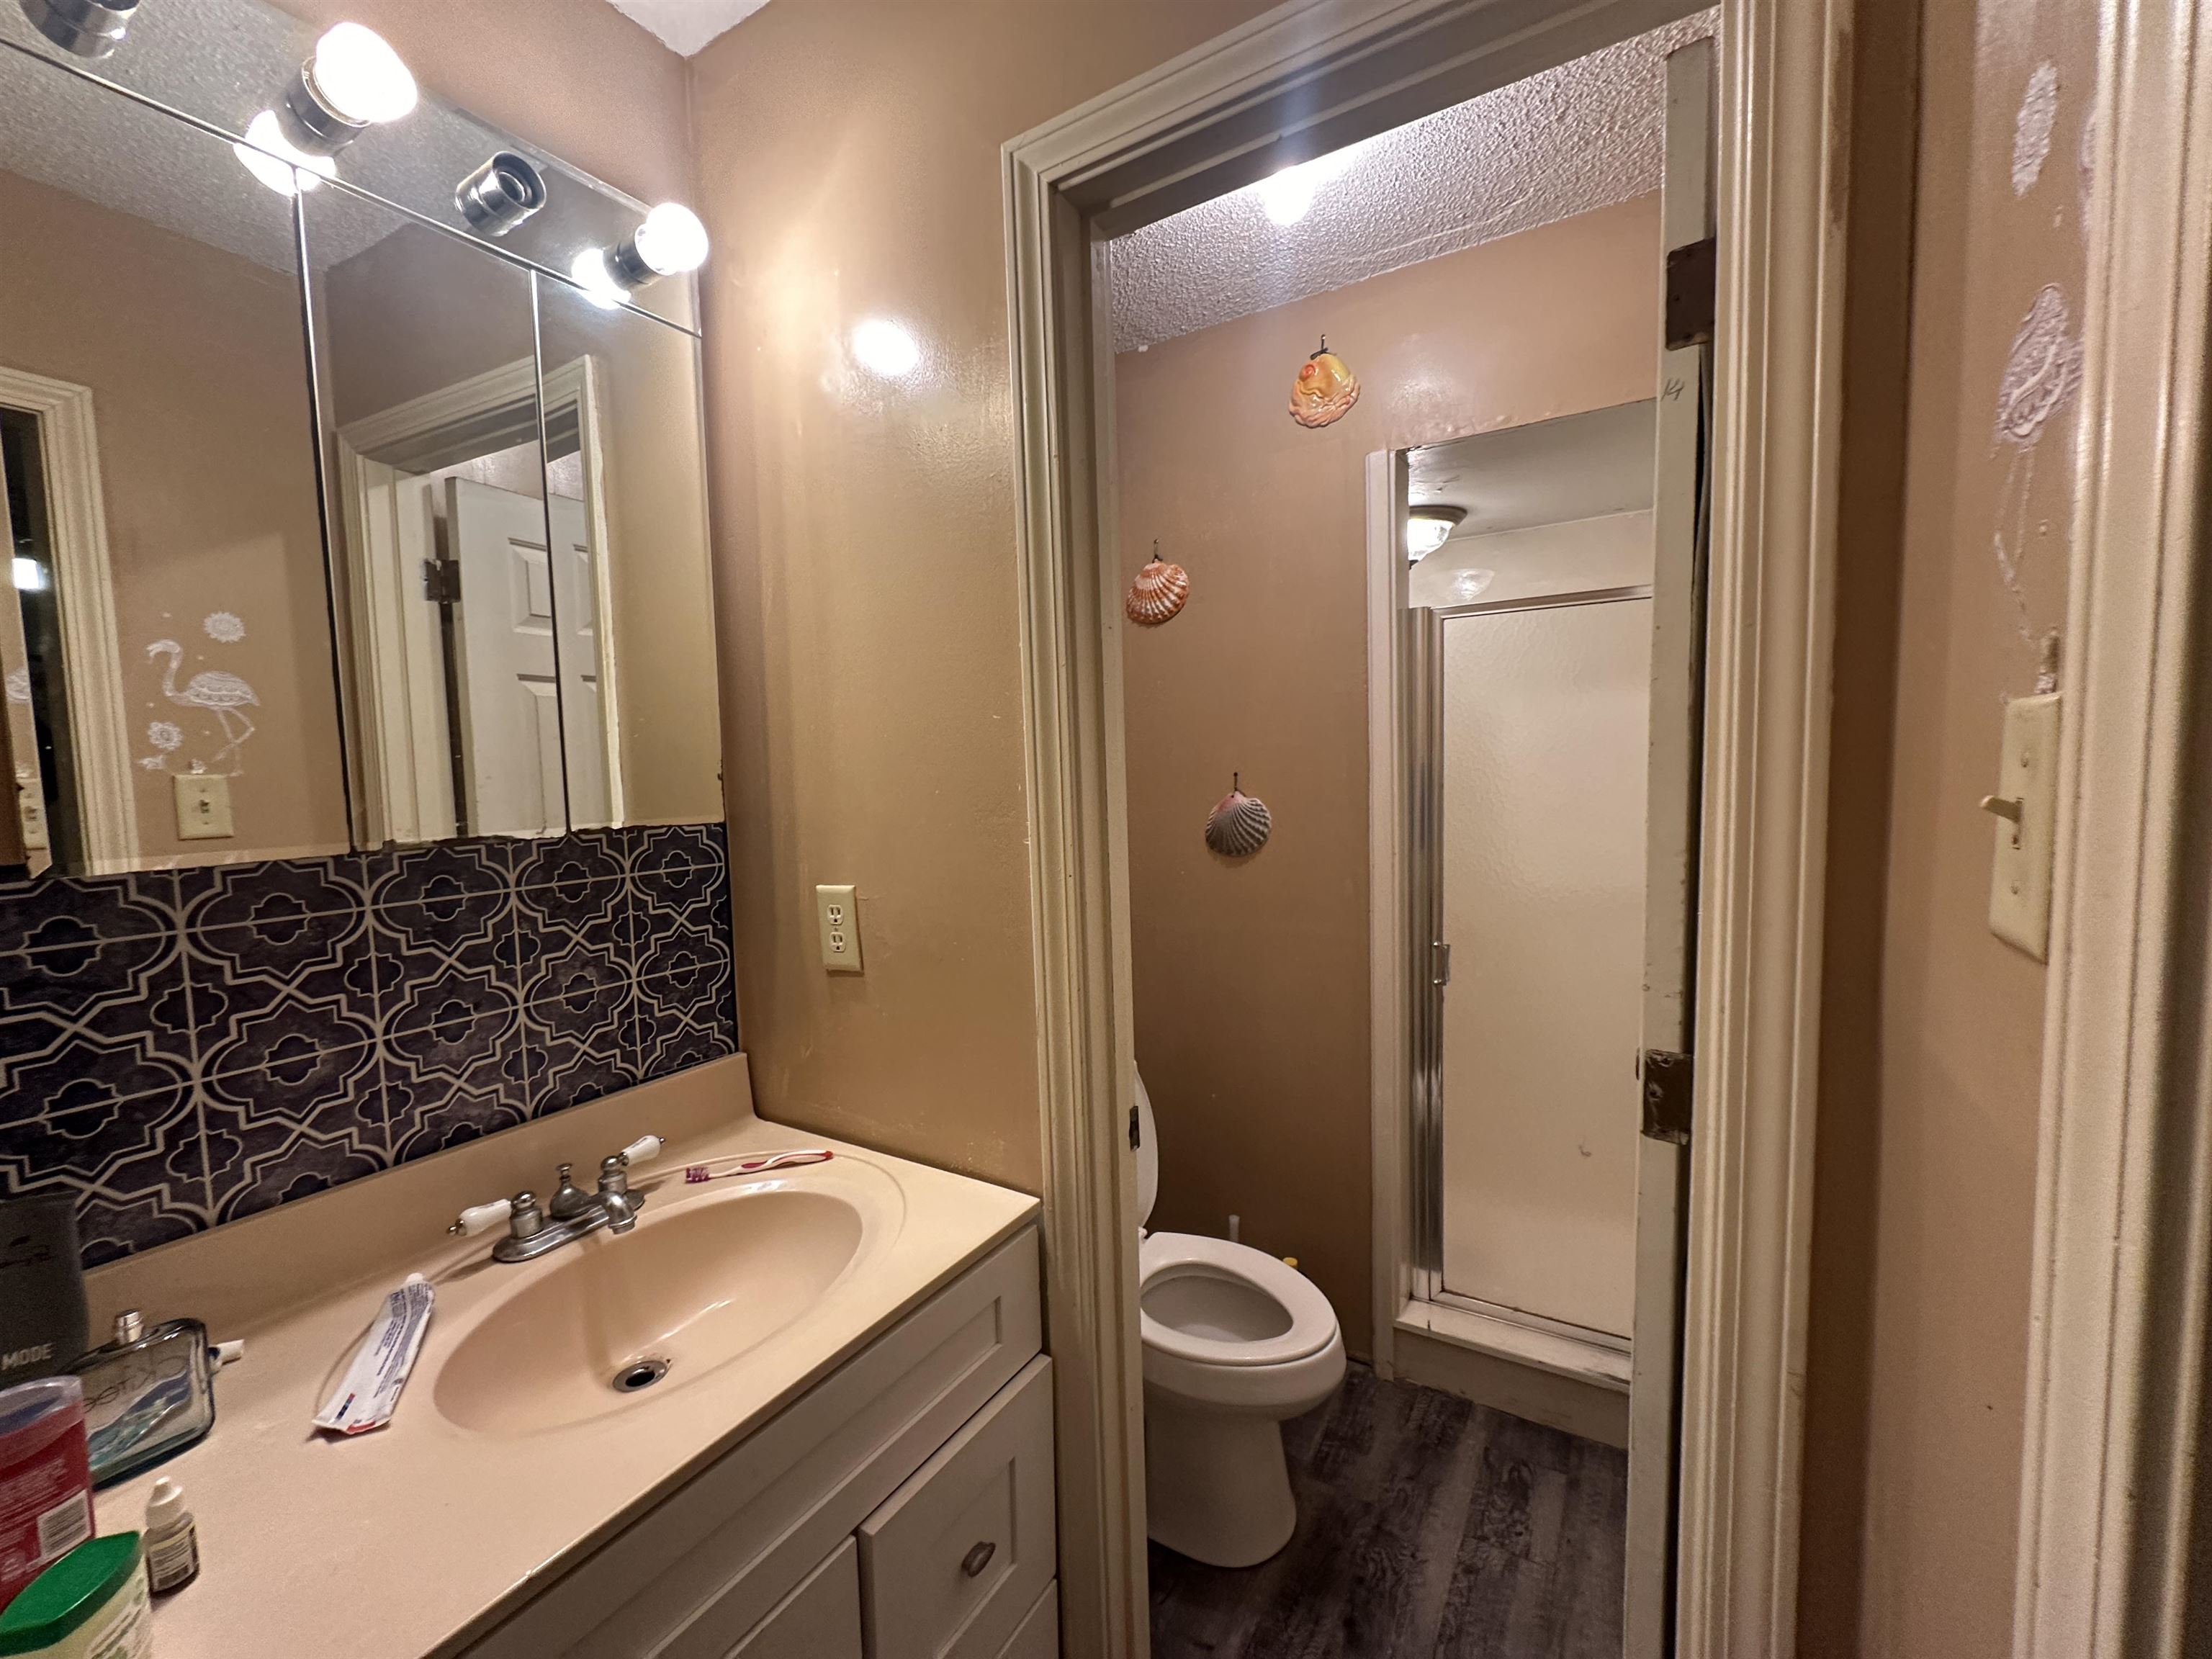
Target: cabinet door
(1039, 1636)
(957, 1556)
(820, 1619)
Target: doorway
(1298, 84)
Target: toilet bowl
(1235, 1341)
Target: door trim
(84, 588)
(1303, 79)
(2111, 1506)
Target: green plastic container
(91, 1604)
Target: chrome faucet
(570, 1215)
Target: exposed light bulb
(359, 76)
(1288, 195)
(277, 161)
(886, 348)
(589, 269)
(30, 576)
(671, 239)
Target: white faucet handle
(643, 1150)
(477, 1217)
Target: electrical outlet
(203, 806)
(30, 812)
(839, 912)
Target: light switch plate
(203, 806)
(839, 912)
(2020, 874)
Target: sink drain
(640, 1374)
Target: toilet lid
(1312, 1321)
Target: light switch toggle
(2010, 808)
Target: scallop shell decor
(1239, 824)
(1325, 391)
(1158, 593)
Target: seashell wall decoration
(1325, 391)
(1158, 593)
(1239, 824)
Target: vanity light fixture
(87, 28)
(275, 161)
(1428, 528)
(501, 194)
(353, 81)
(669, 241)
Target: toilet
(1235, 1341)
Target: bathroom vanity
(849, 1453)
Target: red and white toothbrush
(724, 1169)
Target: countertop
(402, 1543)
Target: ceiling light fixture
(1288, 196)
(1428, 528)
(87, 28)
(354, 81)
(886, 349)
(501, 194)
(277, 162)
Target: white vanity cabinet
(902, 1508)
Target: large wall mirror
(488, 616)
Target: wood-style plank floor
(1429, 1528)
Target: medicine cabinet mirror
(335, 521)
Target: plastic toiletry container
(173, 1539)
(91, 1604)
(148, 1394)
(45, 1479)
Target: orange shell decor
(1239, 824)
(1325, 391)
(1158, 594)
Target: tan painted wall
(848, 161)
(574, 76)
(198, 377)
(1927, 1151)
(1251, 977)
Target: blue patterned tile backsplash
(181, 1048)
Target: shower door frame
(1427, 976)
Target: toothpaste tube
(366, 1398)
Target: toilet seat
(1310, 1321)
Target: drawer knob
(978, 1559)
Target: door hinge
(1693, 286)
(1440, 964)
(441, 581)
(1135, 1138)
(1668, 1080)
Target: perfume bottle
(148, 1394)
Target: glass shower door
(1542, 721)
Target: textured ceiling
(686, 25)
(1584, 135)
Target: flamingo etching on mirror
(224, 696)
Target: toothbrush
(721, 1168)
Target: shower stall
(1527, 652)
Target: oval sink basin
(614, 1322)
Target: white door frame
(386, 675)
(1302, 80)
(84, 594)
(2111, 1499)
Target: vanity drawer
(956, 1557)
(820, 1619)
(1039, 1636)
